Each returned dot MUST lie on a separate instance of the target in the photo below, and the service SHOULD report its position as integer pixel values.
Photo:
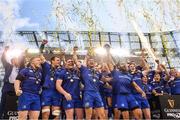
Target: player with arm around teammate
(122, 83)
(68, 84)
(50, 98)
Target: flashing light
(139, 52)
(13, 53)
(164, 63)
(33, 51)
(100, 51)
(82, 52)
(120, 52)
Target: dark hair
(156, 73)
(139, 68)
(144, 76)
(69, 59)
(53, 58)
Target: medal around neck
(72, 80)
(37, 82)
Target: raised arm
(144, 63)
(75, 58)
(162, 68)
(110, 62)
(3, 57)
(178, 74)
(106, 78)
(110, 59)
(42, 46)
(43, 59)
(63, 59)
(85, 60)
(165, 69)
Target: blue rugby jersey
(137, 78)
(70, 82)
(175, 86)
(148, 90)
(107, 91)
(30, 80)
(151, 76)
(121, 82)
(49, 75)
(158, 86)
(90, 79)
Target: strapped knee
(56, 112)
(45, 110)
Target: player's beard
(70, 67)
(37, 66)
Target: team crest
(68, 105)
(24, 106)
(122, 105)
(87, 104)
(43, 103)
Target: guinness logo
(171, 103)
